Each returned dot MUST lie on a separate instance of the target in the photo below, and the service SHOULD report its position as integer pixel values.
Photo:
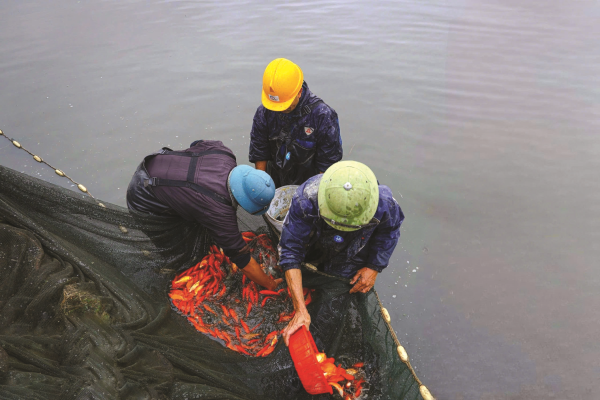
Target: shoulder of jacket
(386, 198)
(261, 111)
(210, 145)
(388, 204)
(385, 191)
(323, 114)
(321, 107)
(310, 188)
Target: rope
(41, 161)
(401, 350)
(402, 354)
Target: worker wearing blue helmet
(204, 184)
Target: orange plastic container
(304, 354)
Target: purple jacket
(211, 173)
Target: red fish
(268, 292)
(209, 309)
(338, 387)
(308, 300)
(234, 315)
(245, 326)
(241, 350)
(268, 351)
(225, 310)
(265, 300)
(263, 350)
(270, 335)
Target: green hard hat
(348, 195)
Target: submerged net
(85, 311)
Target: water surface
(482, 117)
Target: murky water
(482, 116)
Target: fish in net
(85, 311)
(218, 300)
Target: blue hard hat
(253, 189)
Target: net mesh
(85, 312)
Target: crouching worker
(350, 221)
(204, 184)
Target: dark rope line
(41, 161)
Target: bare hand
(300, 318)
(261, 165)
(254, 271)
(364, 280)
(275, 283)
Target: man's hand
(275, 284)
(261, 165)
(300, 318)
(257, 275)
(364, 280)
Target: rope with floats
(56, 170)
(402, 354)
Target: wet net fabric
(85, 312)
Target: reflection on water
(481, 116)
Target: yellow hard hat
(282, 81)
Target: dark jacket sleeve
(259, 137)
(298, 224)
(220, 221)
(223, 227)
(386, 235)
(329, 140)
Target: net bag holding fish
(85, 311)
(218, 300)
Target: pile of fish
(218, 300)
(345, 380)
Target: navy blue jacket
(297, 145)
(342, 253)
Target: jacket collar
(304, 100)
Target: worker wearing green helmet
(343, 221)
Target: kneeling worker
(204, 184)
(346, 217)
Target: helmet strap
(234, 202)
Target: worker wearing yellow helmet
(295, 135)
(345, 223)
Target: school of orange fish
(218, 300)
(208, 294)
(344, 380)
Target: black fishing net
(85, 311)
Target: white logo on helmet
(308, 130)
(347, 186)
(273, 98)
